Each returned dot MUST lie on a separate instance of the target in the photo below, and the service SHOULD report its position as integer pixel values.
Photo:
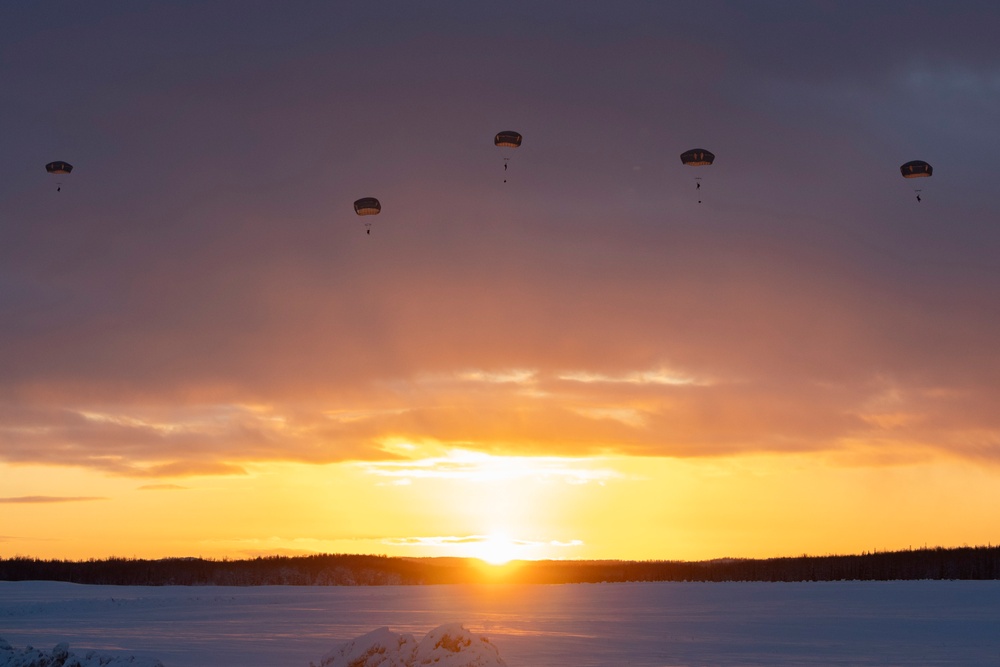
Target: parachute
(59, 168)
(367, 206)
(697, 157)
(916, 169)
(507, 139)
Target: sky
(202, 353)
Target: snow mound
(60, 656)
(449, 645)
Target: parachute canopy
(697, 157)
(58, 167)
(367, 206)
(507, 139)
(916, 169)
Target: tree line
(981, 562)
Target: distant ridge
(981, 562)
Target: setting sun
(496, 549)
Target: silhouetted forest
(356, 570)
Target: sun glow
(496, 549)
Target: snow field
(751, 624)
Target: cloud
(571, 543)
(435, 541)
(31, 500)
(514, 376)
(454, 463)
(636, 377)
(452, 540)
(406, 431)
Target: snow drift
(449, 645)
(60, 656)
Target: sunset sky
(203, 354)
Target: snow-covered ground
(450, 645)
(647, 625)
(61, 656)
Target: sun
(496, 549)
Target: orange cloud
(32, 500)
